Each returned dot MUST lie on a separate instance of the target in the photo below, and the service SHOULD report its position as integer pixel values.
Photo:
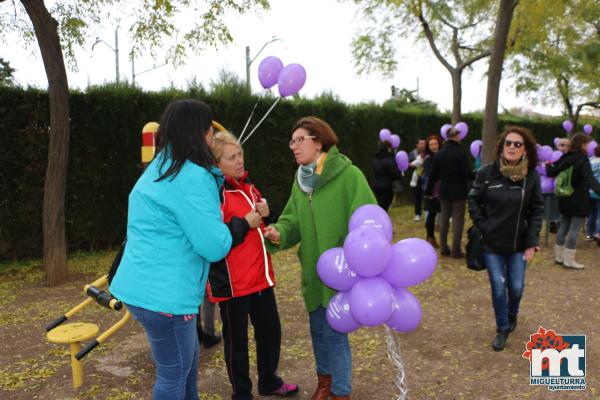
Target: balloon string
(248, 121)
(393, 351)
(261, 121)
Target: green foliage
(408, 100)
(104, 157)
(156, 26)
(6, 73)
(557, 54)
(387, 23)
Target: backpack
(563, 186)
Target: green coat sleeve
(288, 227)
(362, 192)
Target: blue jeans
(507, 279)
(175, 350)
(332, 353)
(597, 202)
(592, 226)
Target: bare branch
(431, 40)
(475, 58)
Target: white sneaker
(417, 217)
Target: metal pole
(248, 69)
(117, 54)
(133, 69)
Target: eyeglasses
(517, 145)
(299, 140)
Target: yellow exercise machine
(75, 333)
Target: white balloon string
(248, 121)
(392, 342)
(261, 121)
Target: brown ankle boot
(334, 397)
(323, 388)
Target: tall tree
(455, 31)
(557, 58)
(490, 116)
(65, 26)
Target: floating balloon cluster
(373, 276)
(545, 155)
(461, 127)
(568, 127)
(385, 135)
(475, 148)
(289, 79)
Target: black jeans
(430, 224)
(384, 197)
(262, 309)
(418, 193)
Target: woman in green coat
(326, 191)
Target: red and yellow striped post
(148, 146)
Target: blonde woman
(243, 281)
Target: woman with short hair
(326, 191)
(243, 282)
(506, 205)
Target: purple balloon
(555, 141)
(567, 125)
(384, 135)
(402, 160)
(541, 169)
(395, 141)
(475, 148)
(556, 155)
(547, 184)
(268, 71)
(291, 79)
(334, 271)
(413, 260)
(444, 130)
(367, 250)
(339, 316)
(462, 129)
(371, 214)
(407, 311)
(591, 147)
(587, 129)
(544, 153)
(371, 301)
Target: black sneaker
(209, 341)
(500, 341)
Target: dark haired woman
(506, 205)
(174, 231)
(431, 203)
(326, 191)
(577, 206)
(385, 172)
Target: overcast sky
(314, 33)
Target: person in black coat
(385, 171)
(507, 206)
(451, 169)
(577, 206)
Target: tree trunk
(55, 250)
(490, 117)
(456, 95)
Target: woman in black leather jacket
(506, 205)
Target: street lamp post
(115, 49)
(133, 74)
(250, 61)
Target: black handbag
(475, 259)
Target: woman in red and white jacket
(243, 281)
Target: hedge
(105, 141)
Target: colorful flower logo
(545, 339)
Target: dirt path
(448, 357)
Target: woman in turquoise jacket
(174, 231)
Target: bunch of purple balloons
(461, 127)
(373, 276)
(546, 155)
(289, 79)
(568, 127)
(385, 135)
